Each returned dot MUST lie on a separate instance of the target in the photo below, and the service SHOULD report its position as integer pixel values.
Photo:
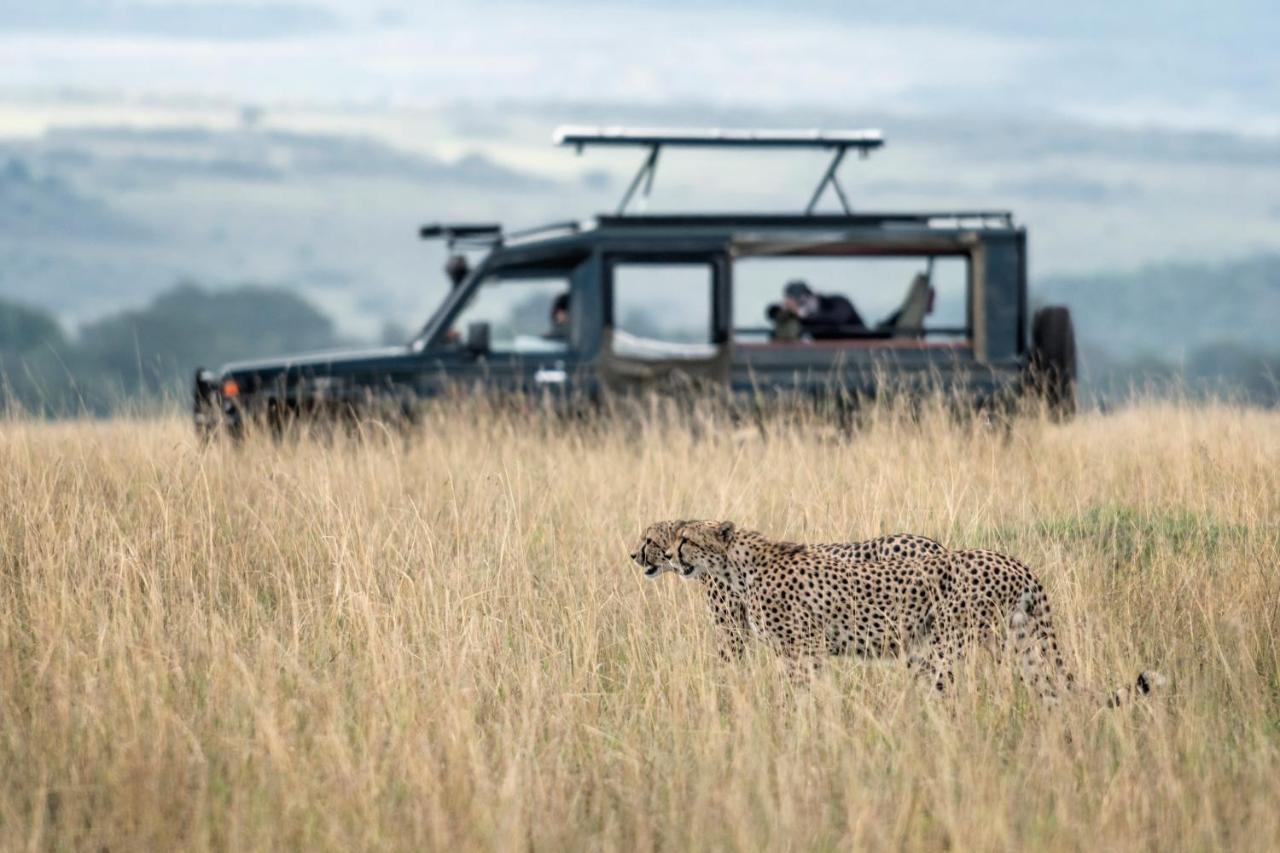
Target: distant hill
(149, 353)
(93, 218)
(1197, 328)
(1172, 310)
(138, 156)
(34, 205)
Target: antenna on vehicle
(837, 141)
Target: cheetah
(728, 610)
(806, 603)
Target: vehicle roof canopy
(808, 232)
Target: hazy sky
(1042, 108)
(1172, 63)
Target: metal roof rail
(837, 141)
(957, 219)
(571, 226)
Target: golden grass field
(440, 643)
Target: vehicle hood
(326, 358)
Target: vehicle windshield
(524, 315)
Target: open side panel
(665, 321)
(854, 292)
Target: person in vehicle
(559, 330)
(457, 269)
(820, 316)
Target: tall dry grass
(440, 643)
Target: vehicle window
(663, 310)
(525, 315)
(887, 295)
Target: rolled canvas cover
(628, 363)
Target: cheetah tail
(1147, 682)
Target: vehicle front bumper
(210, 410)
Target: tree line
(146, 356)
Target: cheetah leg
(1052, 655)
(730, 618)
(801, 669)
(1036, 648)
(730, 644)
(931, 662)
(805, 650)
(1047, 639)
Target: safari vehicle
(629, 302)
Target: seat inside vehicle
(908, 319)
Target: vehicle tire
(1052, 368)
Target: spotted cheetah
(728, 610)
(807, 603)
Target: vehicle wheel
(1052, 370)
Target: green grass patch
(1131, 537)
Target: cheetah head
(651, 553)
(701, 548)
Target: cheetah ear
(725, 532)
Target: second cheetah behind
(807, 603)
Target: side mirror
(478, 338)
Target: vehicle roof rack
(956, 218)
(655, 139)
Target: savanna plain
(438, 641)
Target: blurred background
(188, 182)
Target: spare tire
(1052, 367)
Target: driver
(818, 315)
(559, 330)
